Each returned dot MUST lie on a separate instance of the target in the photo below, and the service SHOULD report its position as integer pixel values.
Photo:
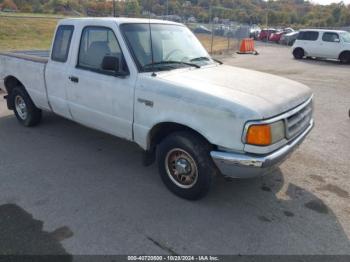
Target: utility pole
(267, 14)
(113, 8)
(167, 7)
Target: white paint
(215, 100)
(320, 48)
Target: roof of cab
(118, 20)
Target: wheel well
(162, 130)
(10, 83)
(344, 52)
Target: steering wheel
(172, 52)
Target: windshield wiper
(171, 62)
(200, 58)
(205, 58)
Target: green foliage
(272, 12)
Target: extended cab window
(62, 42)
(330, 37)
(95, 44)
(308, 35)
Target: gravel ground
(67, 189)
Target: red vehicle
(276, 37)
(265, 34)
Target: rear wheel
(298, 53)
(345, 57)
(185, 165)
(25, 110)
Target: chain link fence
(220, 38)
(218, 35)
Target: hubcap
(21, 107)
(181, 168)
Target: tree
(9, 4)
(132, 8)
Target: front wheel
(345, 58)
(25, 110)
(185, 165)
(298, 53)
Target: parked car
(192, 114)
(201, 29)
(265, 34)
(329, 44)
(289, 39)
(254, 31)
(276, 37)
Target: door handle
(74, 79)
(146, 102)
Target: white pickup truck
(153, 83)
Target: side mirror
(110, 63)
(337, 40)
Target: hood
(268, 95)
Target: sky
(327, 2)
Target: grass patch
(20, 32)
(220, 44)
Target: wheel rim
(21, 107)
(181, 168)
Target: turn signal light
(259, 135)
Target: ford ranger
(153, 83)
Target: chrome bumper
(248, 165)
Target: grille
(299, 121)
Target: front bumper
(237, 165)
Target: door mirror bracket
(110, 63)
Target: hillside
(20, 32)
(276, 13)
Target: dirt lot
(92, 193)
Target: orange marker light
(259, 135)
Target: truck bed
(28, 67)
(39, 56)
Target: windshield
(173, 46)
(346, 37)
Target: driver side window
(95, 44)
(330, 37)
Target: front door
(57, 70)
(97, 97)
(330, 45)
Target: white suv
(332, 44)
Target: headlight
(265, 134)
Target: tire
(345, 58)
(192, 152)
(298, 53)
(25, 110)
